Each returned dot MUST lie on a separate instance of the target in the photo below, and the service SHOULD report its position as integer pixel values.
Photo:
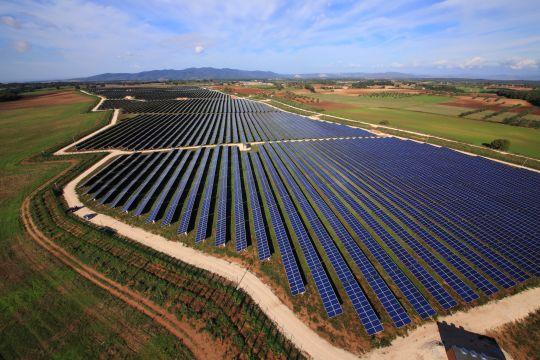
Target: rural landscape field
(341, 206)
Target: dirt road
(200, 346)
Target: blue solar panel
(221, 225)
(179, 191)
(204, 212)
(431, 284)
(408, 289)
(480, 281)
(258, 221)
(383, 292)
(147, 181)
(159, 204)
(320, 277)
(190, 203)
(110, 172)
(149, 161)
(361, 305)
(149, 195)
(239, 220)
(113, 163)
(125, 179)
(289, 262)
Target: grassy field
(423, 113)
(46, 310)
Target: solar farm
(395, 230)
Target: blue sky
(64, 39)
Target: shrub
(309, 87)
(499, 144)
(384, 122)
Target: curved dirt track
(196, 344)
(412, 346)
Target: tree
(384, 122)
(309, 87)
(499, 144)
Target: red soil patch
(367, 91)
(490, 104)
(60, 98)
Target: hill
(185, 74)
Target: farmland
(369, 234)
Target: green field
(46, 309)
(423, 114)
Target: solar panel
(292, 271)
(200, 235)
(149, 162)
(413, 295)
(91, 180)
(159, 204)
(190, 203)
(361, 305)
(221, 225)
(147, 181)
(427, 280)
(180, 190)
(124, 180)
(480, 281)
(258, 221)
(320, 277)
(163, 175)
(239, 220)
(108, 172)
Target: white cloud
(442, 63)
(10, 21)
(521, 63)
(199, 49)
(21, 46)
(473, 63)
(125, 55)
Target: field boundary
(128, 296)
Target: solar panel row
(158, 93)
(169, 131)
(358, 299)
(189, 106)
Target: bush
(384, 122)
(9, 95)
(309, 87)
(499, 144)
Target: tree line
(532, 96)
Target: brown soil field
(489, 103)
(513, 87)
(356, 92)
(67, 97)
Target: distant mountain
(205, 73)
(209, 73)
